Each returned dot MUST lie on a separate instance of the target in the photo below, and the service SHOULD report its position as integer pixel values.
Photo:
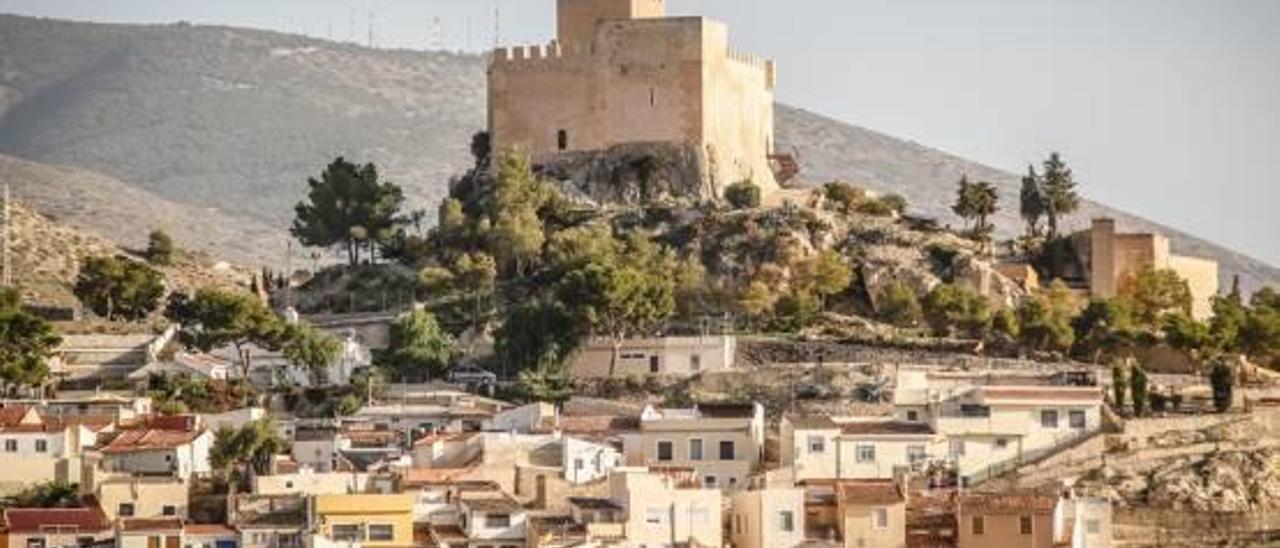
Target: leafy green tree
(1059, 193)
(350, 207)
(1005, 330)
(1230, 315)
(547, 381)
(1046, 318)
(1183, 332)
(311, 350)
(976, 203)
(1033, 205)
(419, 349)
(1119, 384)
(49, 494)
(743, 195)
(117, 288)
(953, 310)
(824, 275)
(1104, 326)
(214, 318)
(160, 248)
(622, 296)
(1153, 293)
(1222, 379)
(1261, 333)
(251, 446)
(1138, 390)
(843, 197)
(535, 334)
(27, 343)
(516, 236)
(898, 305)
(795, 310)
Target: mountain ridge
(237, 119)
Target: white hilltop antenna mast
(497, 27)
(371, 20)
(435, 36)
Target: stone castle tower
(621, 72)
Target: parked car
(471, 374)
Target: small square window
(913, 415)
(866, 453)
(880, 518)
(786, 521)
(1076, 419)
(654, 516)
(11, 446)
(695, 363)
(1025, 525)
(125, 510)
(169, 510)
(695, 449)
(728, 451)
(381, 532)
(1049, 418)
(709, 481)
(42, 446)
(817, 444)
(665, 451)
(978, 525)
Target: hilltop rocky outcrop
(247, 115)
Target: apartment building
(681, 356)
(768, 518)
(56, 527)
(854, 447)
(1008, 520)
(181, 452)
(872, 514)
(371, 520)
(38, 449)
(991, 422)
(661, 509)
(492, 518)
(722, 443)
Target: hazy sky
(1167, 108)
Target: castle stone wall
(641, 78)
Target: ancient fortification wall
(621, 73)
(1115, 256)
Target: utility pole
(5, 240)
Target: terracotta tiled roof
(1083, 394)
(207, 529)
(12, 415)
(1006, 503)
(812, 422)
(31, 520)
(149, 440)
(184, 423)
(870, 492)
(140, 525)
(885, 427)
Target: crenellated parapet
(768, 66)
(537, 56)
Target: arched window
(562, 138)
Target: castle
(1116, 256)
(621, 72)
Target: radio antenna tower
(371, 29)
(497, 27)
(435, 37)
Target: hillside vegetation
(236, 119)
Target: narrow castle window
(653, 100)
(562, 137)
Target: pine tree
(1032, 206)
(1060, 196)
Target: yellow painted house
(371, 520)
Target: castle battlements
(622, 72)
